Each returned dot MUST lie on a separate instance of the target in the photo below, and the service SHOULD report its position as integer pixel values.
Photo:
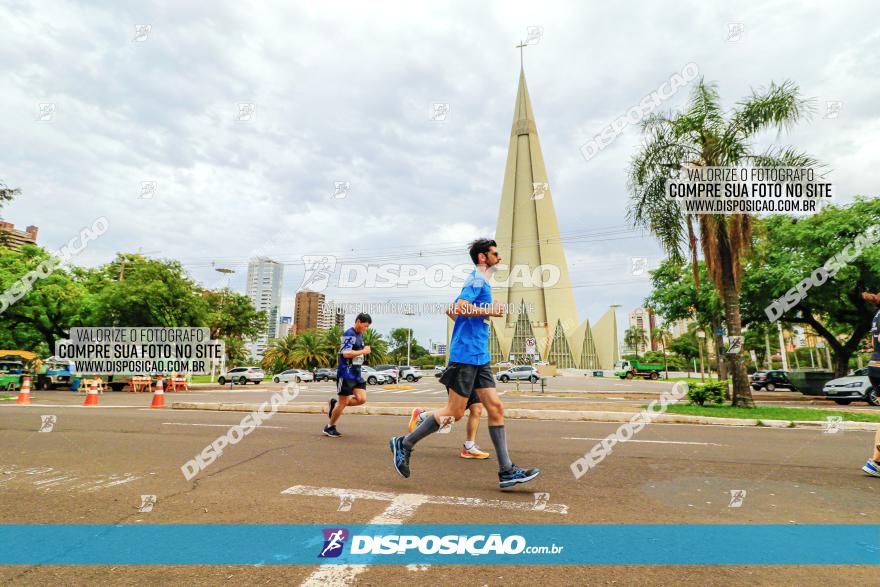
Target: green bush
(712, 391)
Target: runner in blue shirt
(469, 371)
(349, 381)
(872, 467)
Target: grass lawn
(771, 413)
(203, 379)
(689, 380)
(4, 398)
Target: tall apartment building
(284, 326)
(307, 313)
(264, 280)
(13, 239)
(643, 319)
(312, 311)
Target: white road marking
(402, 507)
(423, 391)
(402, 391)
(215, 425)
(60, 478)
(648, 441)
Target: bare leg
(359, 398)
(490, 400)
(473, 422)
(876, 456)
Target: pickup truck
(631, 369)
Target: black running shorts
(463, 379)
(347, 386)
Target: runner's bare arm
(465, 308)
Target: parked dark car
(771, 381)
(325, 375)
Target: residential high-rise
(264, 280)
(284, 326)
(312, 311)
(14, 239)
(308, 310)
(528, 240)
(643, 319)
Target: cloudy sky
(343, 92)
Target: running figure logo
(318, 269)
(334, 540)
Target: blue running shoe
(331, 431)
(401, 456)
(872, 468)
(516, 475)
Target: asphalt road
(96, 463)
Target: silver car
(242, 376)
(853, 388)
(373, 377)
(295, 375)
(523, 372)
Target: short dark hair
(481, 245)
(364, 317)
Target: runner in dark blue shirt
(872, 467)
(469, 372)
(350, 385)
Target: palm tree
(236, 351)
(660, 334)
(704, 135)
(308, 351)
(330, 342)
(280, 353)
(378, 347)
(633, 337)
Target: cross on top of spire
(520, 47)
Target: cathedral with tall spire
(528, 238)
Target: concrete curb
(520, 414)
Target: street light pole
(408, 338)
(701, 334)
(782, 348)
(228, 273)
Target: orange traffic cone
(24, 394)
(158, 395)
(92, 396)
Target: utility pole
(767, 344)
(782, 348)
(701, 334)
(408, 336)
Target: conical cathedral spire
(536, 272)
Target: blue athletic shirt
(875, 334)
(470, 335)
(350, 368)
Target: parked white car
(295, 375)
(853, 388)
(410, 374)
(373, 377)
(242, 376)
(522, 372)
